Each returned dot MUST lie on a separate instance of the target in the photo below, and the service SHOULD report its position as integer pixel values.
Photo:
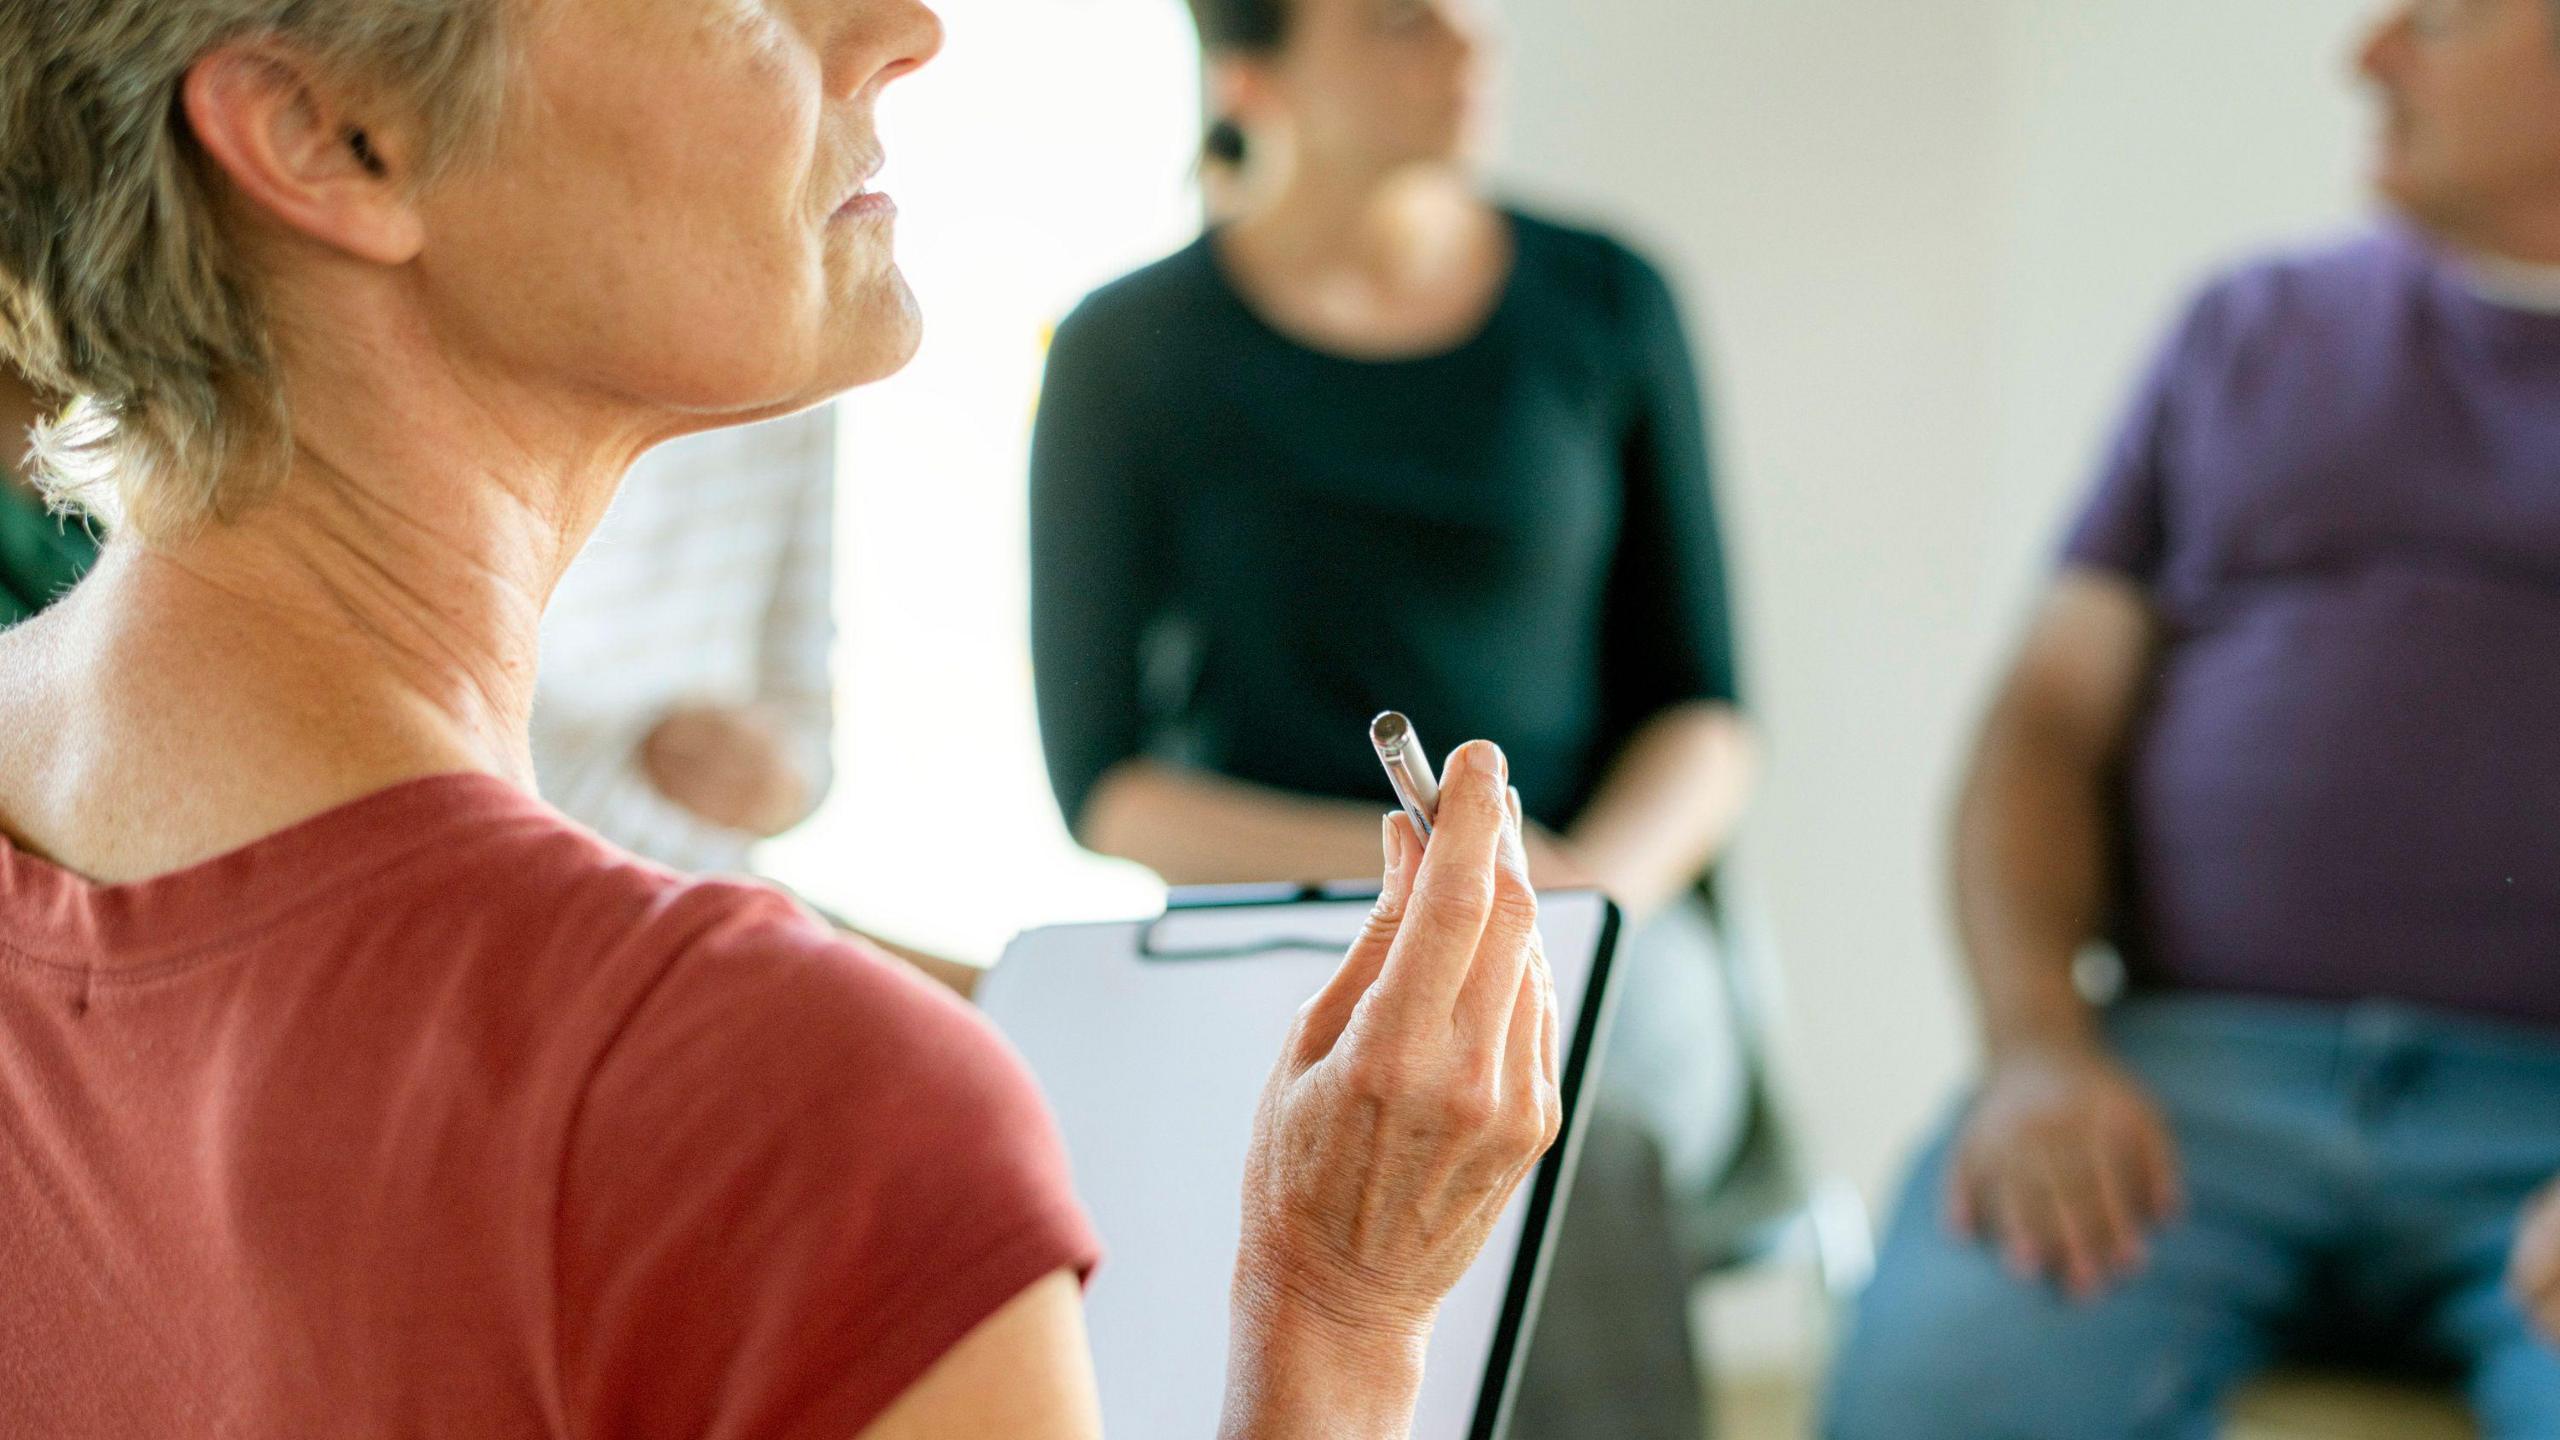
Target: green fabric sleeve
(42, 554)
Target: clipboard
(1152, 1040)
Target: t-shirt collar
(2511, 284)
(2501, 322)
(61, 919)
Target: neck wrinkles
(404, 562)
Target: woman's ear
(1240, 90)
(301, 155)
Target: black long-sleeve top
(1243, 548)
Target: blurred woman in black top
(1376, 441)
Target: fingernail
(1519, 816)
(1391, 840)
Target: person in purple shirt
(2287, 735)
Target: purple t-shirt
(2341, 488)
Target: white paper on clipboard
(1152, 1042)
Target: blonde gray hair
(120, 290)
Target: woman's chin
(868, 369)
(876, 339)
(859, 341)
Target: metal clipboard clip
(1197, 923)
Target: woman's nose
(1470, 36)
(886, 39)
(2386, 46)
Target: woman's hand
(1553, 865)
(726, 764)
(1412, 1096)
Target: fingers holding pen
(1455, 889)
(1424, 1090)
(1466, 981)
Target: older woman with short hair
(348, 1090)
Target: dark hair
(1251, 26)
(1245, 27)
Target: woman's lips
(869, 205)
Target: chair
(1769, 1205)
(2311, 1405)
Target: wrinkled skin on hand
(1415, 1092)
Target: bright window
(1049, 149)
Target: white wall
(1926, 238)
(940, 831)
(1929, 240)
(2147, 143)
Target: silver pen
(1408, 768)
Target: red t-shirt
(436, 1116)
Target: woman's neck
(423, 618)
(416, 539)
(1399, 230)
(375, 618)
(1389, 271)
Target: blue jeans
(2354, 1175)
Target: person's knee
(1916, 1376)
(2515, 1388)
(1949, 1345)
(1932, 1322)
